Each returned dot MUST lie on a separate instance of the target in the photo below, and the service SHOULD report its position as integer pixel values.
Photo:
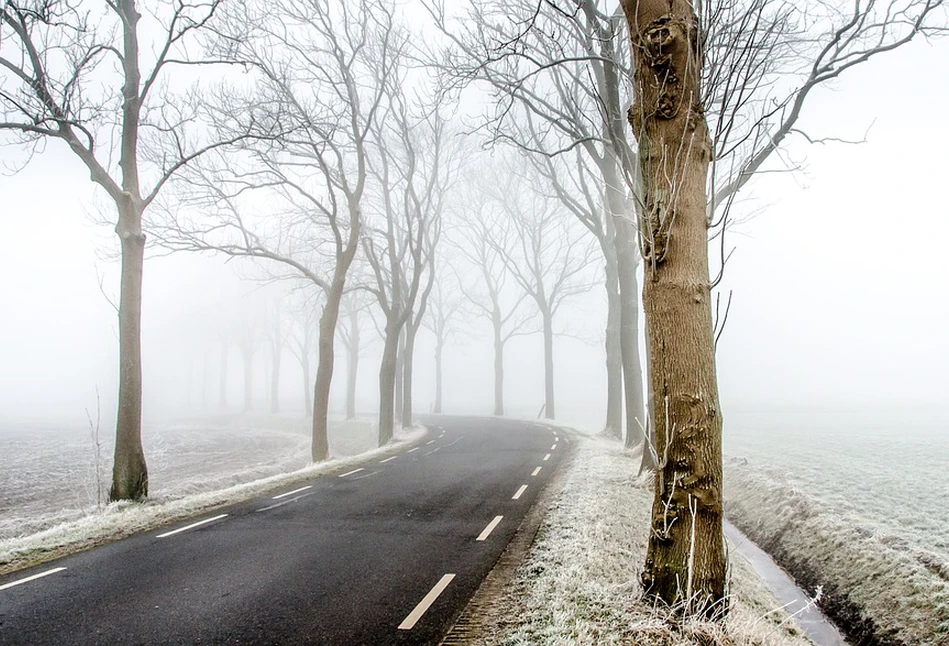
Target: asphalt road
(388, 554)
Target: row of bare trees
(649, 117)
(321, 140)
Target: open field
(48, 474)
(856, 505)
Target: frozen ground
(579, 584)
(856, 506)
(885, 473)
(48, 474)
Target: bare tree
(706, 117)
(485, 237)
(67, 77)
(321, 68)
(446, 302)
(557, 70)
(412, 177)
(551, 259)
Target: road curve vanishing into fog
(388, 553)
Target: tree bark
(549, 410)
(387, 374)
(352, 364)
(614, 357)
(319, 447)
(438, 376)
(399, 392)
(408, 356)
(498, 365)
(629, 334)
(129, 472)
(685, 562)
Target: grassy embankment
(880, 587)
(579, 584)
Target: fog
(838, 280)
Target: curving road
(386, 554)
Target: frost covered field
(886, 472)
(48, 474)
(856, 504)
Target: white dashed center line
(536, 471)
(409, 622)
(290, 493)
(490, 528)
(519, 492)
(553, 448)
(349, 473)
(546, 457)
(387, 459)
(411, 450)
(430, 442)
(192, 526)
(31, 578)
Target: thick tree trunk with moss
(685, 562)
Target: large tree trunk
(625, 254)
(629, 333)
(319, 447)
(439, 342)
(408, 355)
(352, 365)
(549, 410)
(387, 374)
(614, 357)
(129, 473)
(399, 392)
(498, 366)
(685, 561)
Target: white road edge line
(519, 492)
(490, 528)
(409, 622)
(546, 457)
(31, 578)
(191, 526)
(388, 459)
(290, 493)
(536, 471)
(349, 473)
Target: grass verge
(878, 588)
(579, 583)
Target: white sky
(840, 283)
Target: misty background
(838, 279)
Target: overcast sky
(839, 281)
